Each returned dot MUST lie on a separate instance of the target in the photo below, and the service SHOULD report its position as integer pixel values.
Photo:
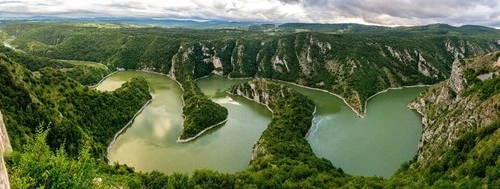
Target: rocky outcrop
(292, 117)
(449, 109)
(5, 147)
(457, 80)
(218, 70)
(354, 66)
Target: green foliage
(87, 75)
(485, 89)
(354, 61)
(284, 158)
(471, 162)
(74, 113)
(357, 64)
(39, 167)
(31, 62)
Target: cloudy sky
(380, 12)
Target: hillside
(59, 128)
(354, 65)
(460, 145)
(73, 113)
(467, 101)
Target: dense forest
(59, 127)
(71, 112)
(353, 61)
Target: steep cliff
(4, 148)
(355, 64)
(467, 101)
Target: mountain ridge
(353, 65)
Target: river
(375, 145)
(150, 142)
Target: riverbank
(253, 100)
(104, 78)
(126, 126)
(312, 123)
(323, 90)
(391, 88)
(363, 114)
(359, 114)
(179, 140)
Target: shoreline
(104, 78)
(361, 115)
(312, 123)
(126, 126)
(345, 102)
(179, 140)
(322, 90)
(273, 80)
(312, 120)
(252, 101)
(392, 88)
(169, 76)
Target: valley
(330, 133)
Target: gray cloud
(404, 12)
(387, 12)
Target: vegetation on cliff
(353, 61)
(73, 112)
(459, 147)
(282, 157)
(199, 112)
(460, 142)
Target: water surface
(375, 145)
(150, 142)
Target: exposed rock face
(5, 147)
(217, 66)
(449, 112)
(256, 91)
(331, 63)
(355, 67)
(456, 81)
(457, 52)
(285, 104)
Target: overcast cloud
(383, 12)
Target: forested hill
(460, 146)
(71, 112)
(353, 61)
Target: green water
(375, 145)
(150, 142)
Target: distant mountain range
(160, 22)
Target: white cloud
(387, 12)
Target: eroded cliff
(461, 104)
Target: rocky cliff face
(354, 66)
(4, 148)
(456, 106)
(354, 70)
(291, 120)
